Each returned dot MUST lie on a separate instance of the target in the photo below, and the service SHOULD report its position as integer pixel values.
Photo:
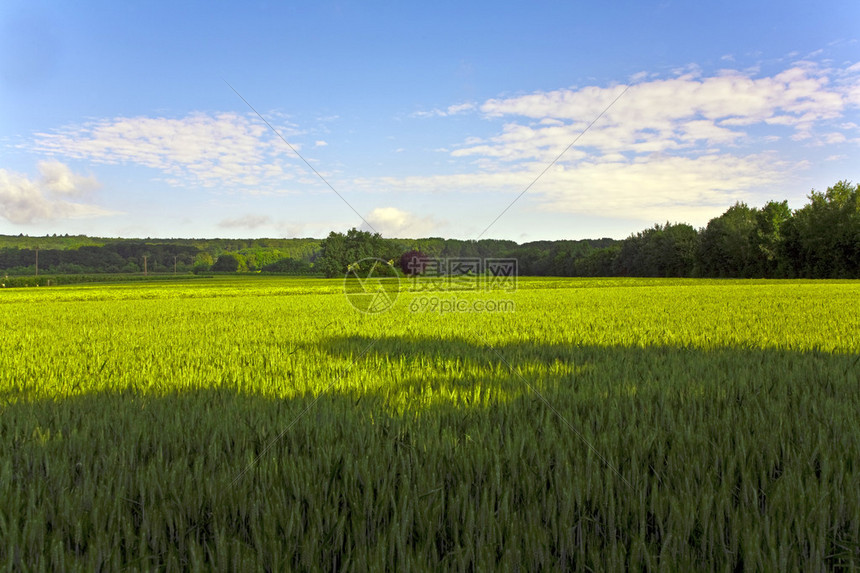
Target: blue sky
(429, 119)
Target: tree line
(819, 240)
(20, 255)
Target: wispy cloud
(653, 189)
(677, 188)
(24, 200)
(676, 114)
(246, 222)
(394, 222)
(672, 148)
(454, 109)
(209, 150)
(57, 178)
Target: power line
(318, 174)
(554, 161)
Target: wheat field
(597, 424)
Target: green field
(263, 423)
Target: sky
(523, 121)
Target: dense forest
(819, 240)
(19, 255)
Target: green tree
(226, 263)
(334, 258)
(202, 263)
(823, 238)
(290, 266)
(340, 251)
(599, 263)
(661, 251)
(726, 248)
(768, 239)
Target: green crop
(264, 423)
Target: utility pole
(144, 264)
(37, 261)
(174, 264)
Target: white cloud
(292, 230)
(664, 114)
(460, 108)
(460, 182)
(678, 188)
(651, 189)
(24, 201)
(394, 222)
(58, 178)
(246, 222)
(680, 148)
(220, 149)
(834, 137)
(454, 109)
(320, 143)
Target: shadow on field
(598, 371)
(435, 454)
